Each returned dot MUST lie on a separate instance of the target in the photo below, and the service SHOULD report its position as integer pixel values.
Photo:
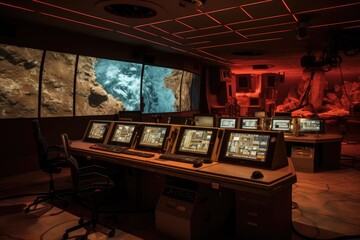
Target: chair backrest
(74, 167)
(41, 144)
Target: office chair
(88, 185)
(51, 160)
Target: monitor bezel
(129, 144)
(90, 126)
(259, 127)
(141, 128)
(270, 154)
(287, 131)
(204, 115)
(236, 122)
(211, 144)
(322, 122)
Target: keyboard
(179, 157)
(109, 148)
(140, 154)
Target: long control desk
(313, 151)
(257, 202)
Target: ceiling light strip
(144, 39)
(178, 49)
(255, 3)
(80, 13)
(160, 29)
(221, 10)
(17, 7)
(240, 43)
(242, 35)
(333, 24)
(267, 33)
(289, 10)
(193, 30)
(329, 8)
(211, 55)
(186, 25)
(152, 23)
(190, 16)
(170, 40)
(75, 21)
(248, 14)
(258, 19)
(174, 35)
(144, 31)
(212, 18)
(265, 26)
(207, 35)
(351, 27)
(197, 43)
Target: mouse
(197, 163)
(256, 175)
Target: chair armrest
(93, 168)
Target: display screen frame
(221, 119)
(111, 140)
(90, 129)
(282, 119)
(147, 147)
(205, 117)
(181, 135)
(258, 125)
(302, 130)
(270, 153)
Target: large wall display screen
(161, 89)
(190, 89)
(19, 81)
(57, 90)
(106, 86)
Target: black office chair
(51, 160)
(91, 189)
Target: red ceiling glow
(266, 26)
(170, 40)
(157, 28)
(207, 35)
(211, 55)
(186, 25)
(258, 19)
(196, 43)
(266, 33)
(248, 14)
(149, 24)
(328, 8)
(333, 24)
(289, 10)
(147, 32)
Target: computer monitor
(96, 131)
(122, 134)
(152, 137)
(204, 120)
(228, 122)
(262, 149)
(196, 141)
(281, 124)
(180, 120)
(309, 125)
(250, 123)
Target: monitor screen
(122, 134)
(96, 131)
(228, 122)
(204, 120)
(307, 125)
(250, 123)
(249, 148)
(152, 137)
(281, 124)
(196, 141)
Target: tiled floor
(326, 205)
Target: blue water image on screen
(121, 80)
(157, 98)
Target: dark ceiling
(235, 33)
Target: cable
(343, 83)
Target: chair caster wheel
(111, 233)
(65, 236)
